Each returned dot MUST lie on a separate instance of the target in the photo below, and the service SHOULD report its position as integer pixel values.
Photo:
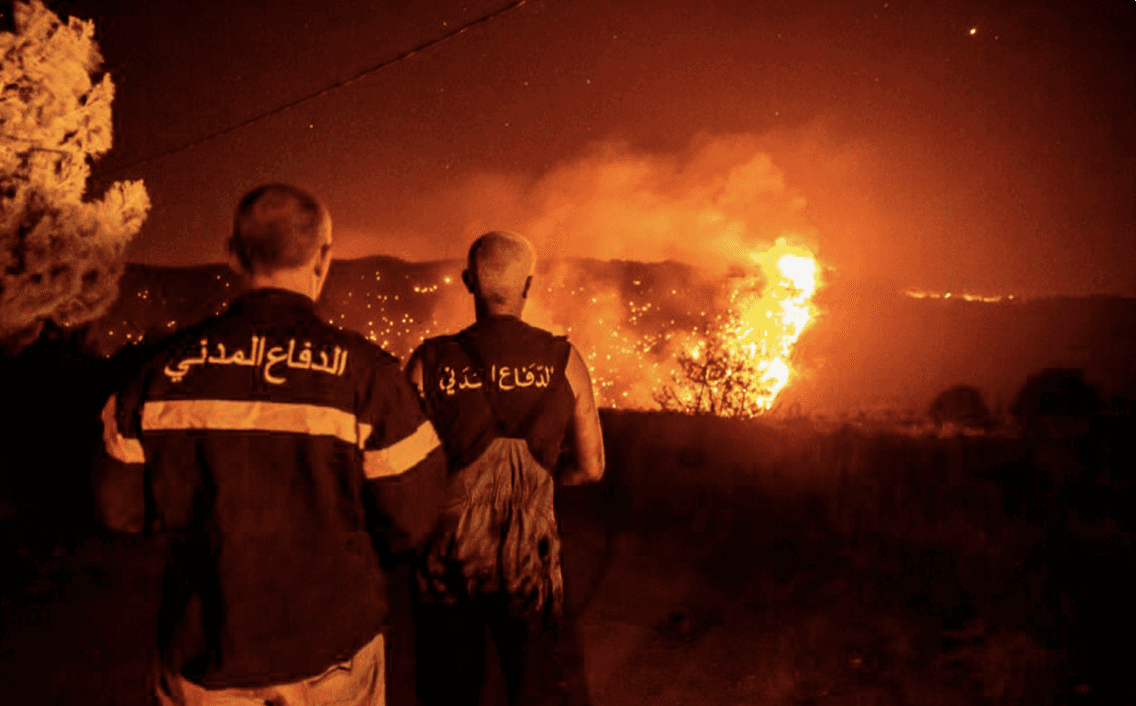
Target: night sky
(951, 146)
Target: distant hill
(875, 350)
(869, 350)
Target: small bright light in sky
(973, 30)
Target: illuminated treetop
(60, 255)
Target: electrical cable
(316, 94)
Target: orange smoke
(720, 211)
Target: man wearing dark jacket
(503, 395)
(282, 457)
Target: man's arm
(118, 474)
(404, 464)
(414, 373)
(587, 435)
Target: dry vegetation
(896, 561)
(815, 560)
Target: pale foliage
(60, 256)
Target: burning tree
(738, 365)
(714, 378)
(60, 256)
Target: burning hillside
(630, 320)
(865, 350)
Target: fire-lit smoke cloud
(711, 207)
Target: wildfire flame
(740, 363)
(966, 296)
(641, 336)
(766, 325)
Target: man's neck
(298, 282)
(484, 312)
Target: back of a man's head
(502, 263)
(277, 227)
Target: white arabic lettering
(258, 352)
(526, 381)
(276, 355)
(504, 377)
(183, 367)
(506, 371)
(447, 380)
(466, 383)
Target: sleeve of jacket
(403, 460)
(119, 477)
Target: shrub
(962, 405)
(716, 378)
(1057, 392)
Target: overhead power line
(316, 94)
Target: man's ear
(324, 260)
(470, 281)
(235, 264)
(525, 291)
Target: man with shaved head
(504, 397)
(282, 457)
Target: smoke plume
(707, 210)
(708, 206)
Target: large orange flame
(741, 362)
(765, 324)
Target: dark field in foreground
(724, 562)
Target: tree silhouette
(1057, 392)
(715, 377)
(60, 256)
(962, 405)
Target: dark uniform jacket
(498, 395)
(279, 455)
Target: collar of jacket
(277, 302)
(495, 320)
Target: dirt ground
(689, 616)
(694, 614)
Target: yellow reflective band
(403, 455)
(233, 415)
(364, 433)
(117, 446)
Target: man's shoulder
(515, 332)
(557, 344)
(358, 341)
(437, 342)
(176, 342)
(542, 332)
(384, 363)
(513, 328)
(133, 367)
